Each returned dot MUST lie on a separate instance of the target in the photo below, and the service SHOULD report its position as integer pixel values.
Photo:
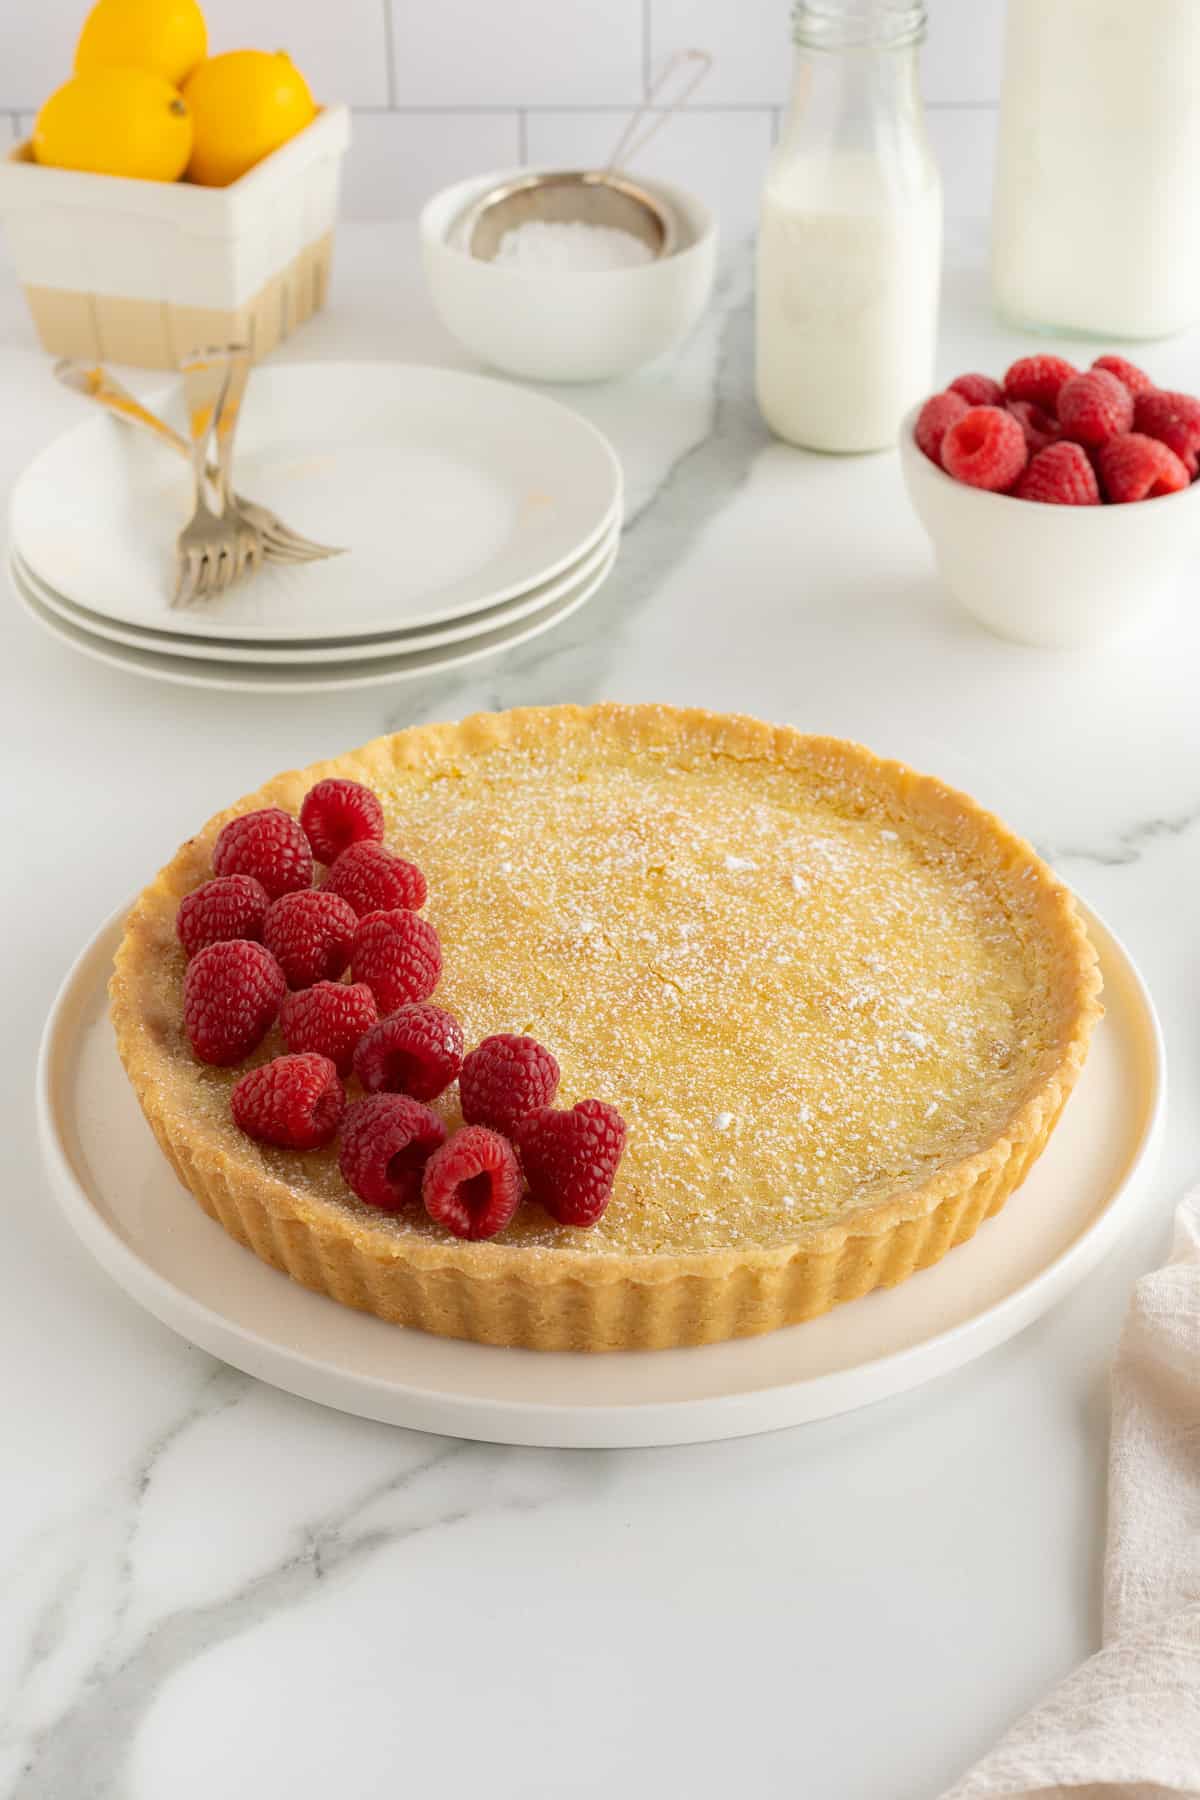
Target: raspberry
(329, 1018)
(417, 1051)
(386, 1142)
(1139, 468)
(507, 1077)
(294, 1101)
(473, 1185)
(230, 906)
(977, 390)
(1060, 475)
(399, 957)
(1174, 419)
(1135, 379)
(570, 1158)
(336, 814)
(1039, 427)
(268, 845)
(1094, 407)
(934, 420)
(1038, 378)
(986, 449)
(373, 880)
(231, 994)
(309, 934)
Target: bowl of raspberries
(1059, 501)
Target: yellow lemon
(168, 36)
(115, 122)
(244, 104)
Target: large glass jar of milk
(1095, 226)
(850, 239)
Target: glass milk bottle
(1094, 220)
(850, 238)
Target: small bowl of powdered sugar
(569, 299)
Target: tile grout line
(389, 51)
(646, 46)
(606, 108)
(14, 114)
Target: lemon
(168, 36)
(115, 122)
(244, 104)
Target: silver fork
(216, 546)
(249, 537)
(279, 542)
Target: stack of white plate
(476, 515)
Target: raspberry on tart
(372, 879)
(398, 955)
(232, 993)
(570, 1159)
(309, 933)
(416, 1050)
(294, 1102)
(504, 1078)
(386, 1141)
(330, 1017)
(336, 814)
(472, 1186)
(228, 906)
(268, 844)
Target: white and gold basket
(143, 271)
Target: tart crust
(559, 1295)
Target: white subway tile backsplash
(397, 160)
(721, 156)
(523, 53)
(36, 52)
(342, 51)
(751, 46)
(448, 88)
(347, 64)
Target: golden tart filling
(838, 1005)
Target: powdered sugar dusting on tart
(799, 1001)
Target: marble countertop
(210, 1587)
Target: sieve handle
(629, 144)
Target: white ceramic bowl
(1060, 576)
(554, 326)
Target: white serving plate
(355, 650)
(453, 493)
(146, 1231)
(313, 678)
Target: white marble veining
(209, 1587)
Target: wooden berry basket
(144, 272)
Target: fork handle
(205, 385)
(228, 412)
(95, 383)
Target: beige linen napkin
(1126, 1726)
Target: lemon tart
(838, 1005)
